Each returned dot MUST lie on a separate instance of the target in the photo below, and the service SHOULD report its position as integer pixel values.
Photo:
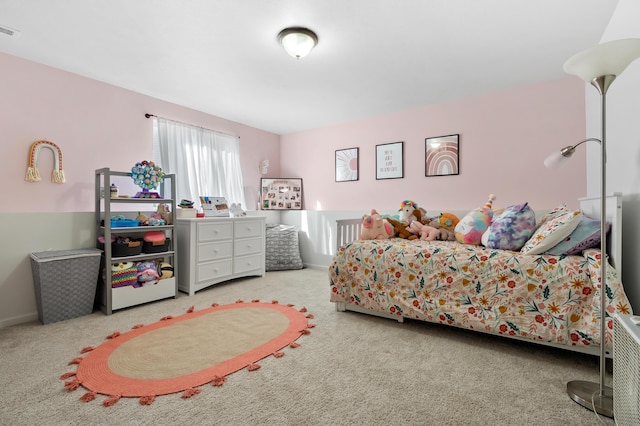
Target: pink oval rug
(179, 354)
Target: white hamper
(65, 283)
(626, 370)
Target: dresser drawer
(248, 228)
(248, 263)
(214, 251)
(213, 270)
(215, 231)
(247, 246)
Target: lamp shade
(298, 42)
(610, 58)
(556, 160)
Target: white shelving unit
(122, 297)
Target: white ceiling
(374, 56)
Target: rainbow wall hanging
(33, 175)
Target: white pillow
(555, 226)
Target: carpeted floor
(352, 369)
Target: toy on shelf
(147, 175)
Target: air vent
(9, 31)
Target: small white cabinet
(213, 250)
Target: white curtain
(204, 161)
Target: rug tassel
(72, 385)
(275, 302)
(75, 361)
(278, 354)
(113, 335)
(303, 309)
(310, 316)
(147, 400)
(111, 400)
(290, 305)
(311, 325)
(67, 375)
(89, 396)
(255, 301)
(191, 309)
(137, 326)
(188, 393)
(305, 331)
(294, 345)
(168, 317)
(218, 381)
(239, 301)
(86, 349)
(253, 367)
(215, 305)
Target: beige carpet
(354, 370)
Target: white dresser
(218, 249)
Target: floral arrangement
(147, 175)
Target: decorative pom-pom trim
(89, 396)
(86, 349)
(168, 317)
(188, 393)
(191, 309)
(113, 335)
(75, 361)
(111, 400)
(218, 381)
(147, 400)
(137, 326)
(72, 385)
(253, 367)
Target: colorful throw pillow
(470, 229)
(554, 227)
(512, 229)
(586, 235)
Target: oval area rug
(179, 354)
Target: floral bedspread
(538, 297)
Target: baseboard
(312, 266)
(8, 322)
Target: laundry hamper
(65, 283)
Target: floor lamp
(599, 66)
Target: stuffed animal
(409, 211)
(448, 221)
(166, 270)
(471, 227)
(374, 227)
(164, 211)
(401, 230)
(147, 273)
(236, 210)
(123, 274)
(425, 232)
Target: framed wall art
(281, 194)
(347, 164)
(390, 160)
(442, 156)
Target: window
(204, 161)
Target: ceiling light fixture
(298, 41)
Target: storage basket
(156, 247)
(65, 283)
(132, 248)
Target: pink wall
(96, 125)
(504, 139)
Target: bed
(547, 299)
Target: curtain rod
(147, 115)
